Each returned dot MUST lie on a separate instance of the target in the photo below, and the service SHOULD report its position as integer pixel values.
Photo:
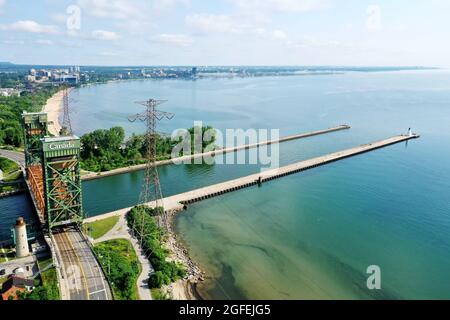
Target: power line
(151, 187)
(67, 125)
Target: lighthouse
(22, 249)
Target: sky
(226, 32)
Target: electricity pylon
(66, 129)
(151, 187)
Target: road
(15, 156)
(83, 276)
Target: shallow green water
(310, 235)
(313, 235)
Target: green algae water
(311, 235)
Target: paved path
(121, 231)
(29, 264)
(15, 156)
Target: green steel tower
(62, 181)
(36, 127)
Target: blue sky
(226, 32)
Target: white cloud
(108, 54)
(280, 5)
(2, 2)
(373, 22)
(179, 40)
(165, 5)
(13, 42)
(105, 35)
(215, 23)
(313, 42)
(279, 35)
(44, 42)
(29, 26)
(58, 17)
(117, 9)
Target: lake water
(311, 235)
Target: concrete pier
(92, 176)
(180, 201)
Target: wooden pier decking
(179, 202)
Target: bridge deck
(178, 202)
(82, 277)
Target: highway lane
(71, 269)
(83, 275)
(15, 156)
(95, 280)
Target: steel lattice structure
(151, 187)
(35, 127)
(66, 129)
(62, 181)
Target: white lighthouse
(22, 249)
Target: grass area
(2, 281)
(121, 266)
(157, 294)
(46, 284)
(49, 280)
(13, 176)
(99, 228)
(8, 189)
(8, 166)
(6, 254)
(11, 170)
(45, 262)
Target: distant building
(14, 285)
(71, 79)
(9, 92)
(31, 78)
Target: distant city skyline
(225, 32)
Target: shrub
(142, 218)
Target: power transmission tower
(66, 129)
(151, 187)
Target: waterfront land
(10, 177)
(54, 108)
(374, 182)
(99, 228)
(121, 266)
(11, 108)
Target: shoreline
(54, 108)
(186, 288)
(220, 151)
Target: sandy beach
(54, 108)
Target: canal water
(10, 209)
(310, 235)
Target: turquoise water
(310, 235)
(314, 234)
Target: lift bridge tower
(62, 181)
(52, 173)
(35, 128)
